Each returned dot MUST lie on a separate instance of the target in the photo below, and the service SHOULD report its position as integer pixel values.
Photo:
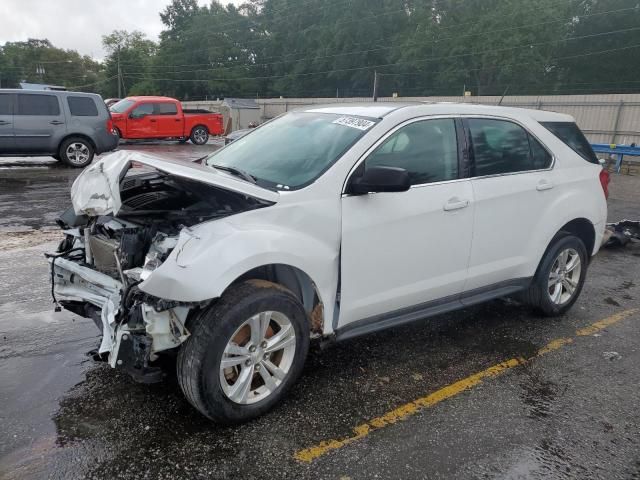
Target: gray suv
(69, 126)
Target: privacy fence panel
(610, 118)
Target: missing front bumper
(132, 335)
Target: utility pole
(40, 72)
(119, 74)
(375, 85)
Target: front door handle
(544, 185)
(4, 122)
(152, 120)
(56, 122)
(455, 204)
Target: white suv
(327, 222)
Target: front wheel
(560, 277)
(244, 352)
(76, 152)
(199, 135)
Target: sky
(80, 24)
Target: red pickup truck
(163, 117)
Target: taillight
(605, 178)
(110, 126)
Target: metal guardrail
(618, 151)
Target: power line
(93, 83)
(250, 42)
(526, 63)
(359, 52)
(370, 67)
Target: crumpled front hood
(96, 191)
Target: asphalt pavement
(489, 392)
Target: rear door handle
(455, 204)
(544, 185)
(56, 122)
(4, 122)
(177, 120)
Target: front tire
(76, 152)
(199, 135)
(244, 352)
(560, 277)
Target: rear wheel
(560, 277)
(76, 152)
(244, 353)
(199, 135)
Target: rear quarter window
(31, 104)
(82, 107)
(573, 137)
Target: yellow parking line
(409, 409)
(602, 324)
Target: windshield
(293, 150)
(121, 106)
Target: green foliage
(135, 53)
(328, 47)
(37, 61)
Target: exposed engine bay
(97, 268)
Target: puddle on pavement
(626, 285)
(537, 393)
(611, 301)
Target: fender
(573, 204)
(211, 256)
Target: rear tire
(560, 277)
(76, 152)
(199, 135)
(225, 331)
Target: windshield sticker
(355, 122)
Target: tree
(135, 53)
(38, 61)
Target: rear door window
(573, 137)
(500, 147)
(44, 105)
(166, 108)
(6, 107)
(82, 107)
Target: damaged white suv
(327, 222)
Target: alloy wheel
(200, 136)
(564, 276)
(257, 357)
(77, 153)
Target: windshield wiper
(237, 172)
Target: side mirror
(381, 179)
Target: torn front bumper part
(620, 233)
(131, 338)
